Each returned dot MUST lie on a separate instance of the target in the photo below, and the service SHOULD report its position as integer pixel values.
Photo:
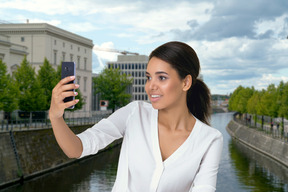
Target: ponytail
(199, 101)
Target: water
(241, 170)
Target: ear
(187, 82)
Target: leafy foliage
(8, 90)
(112, 86)
(271, 102)
(47, 79)
(32, 96)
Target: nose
(152, 85)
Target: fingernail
(76, 85)
(75, 93)
(72, 77)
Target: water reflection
(255, 171)
(95, 174)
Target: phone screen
(68, 69)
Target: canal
(241, 170)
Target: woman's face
(164, 87)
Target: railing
(40, 120)
(278, 129)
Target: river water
(241, 170)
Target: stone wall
(26, 154)
(272, 147)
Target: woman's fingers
(62, 90)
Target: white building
(11, 54)
(134, 65)
(57, 45)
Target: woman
(167, 145)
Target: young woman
(167, 145)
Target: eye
(162, 78)
(148, 78)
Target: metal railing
(18, 120)
(274, 127)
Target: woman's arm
(206, 178)
(67, 140)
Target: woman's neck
(178, 118)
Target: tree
(283, 108)
(269, 99)
(47, 79)
(244, 95)
(31, 97)
(239, 99)
(234, 99)
(8, 90)
(112, 86)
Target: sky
(238, 42)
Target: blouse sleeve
(106, 131)
(205, 179)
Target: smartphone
(68, 69)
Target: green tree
(112, 86)
(239, 99)
(268, 100)
(253, 103)
(244, 95)
(31, 97)
(47, 79)
(283, 110)
(8, 90)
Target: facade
(10, 53)
(134, 65)
(57, 45)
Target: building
(134, 65)
(10, 53)
(57, 45)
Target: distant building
(40, 40)
(10, 53)
(134, 65)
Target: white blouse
(192, 167)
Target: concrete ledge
(274, 148)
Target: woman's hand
(60, 91)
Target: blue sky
(238, 42)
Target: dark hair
(184, 60)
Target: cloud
(103, 53)
(237, 43)
(241, 61)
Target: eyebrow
(157, 73)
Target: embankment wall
(26, 154)
(272, 147)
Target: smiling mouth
(155, 96)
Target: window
(63, 56)
(71, 47)
(22, 39)
(55, 57)
(78, 80)
(78, 62)
(63, 44)
(71, 57)
(85, 81)
(85, 63)
(78, 49)
(55, 42)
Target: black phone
(68, 69)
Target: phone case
(68, 69)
